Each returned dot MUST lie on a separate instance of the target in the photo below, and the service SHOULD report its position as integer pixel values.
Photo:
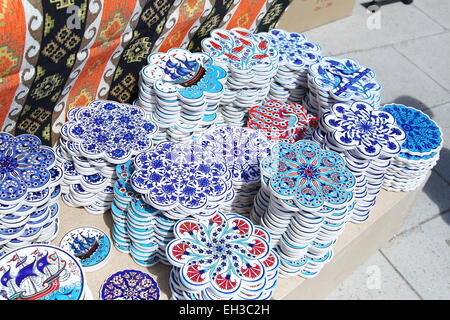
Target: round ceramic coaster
(368, 138)
(41, 272)
(299, 235)
(181, 176)
(251, 62)
(241, 50)
(90, 245)
(296, 52)
(129, 285)
(344, 79)
(190, 76)
(296, 55)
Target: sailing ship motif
(34, 280)
(181, 71)
(83, 246)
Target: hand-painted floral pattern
(423, 135)
(282, 121)
(361, 128)
(130, 285)
(177, 174)
(310, 176)
(242, 150)
(294, 49)
(102, 56)
(220, 254)
(24, 166)
(190, 75)
(109, 130)
(345, 79)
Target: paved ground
(410, 53)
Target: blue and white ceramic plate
(344, 79)
(295, 51)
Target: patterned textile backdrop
(58, 54)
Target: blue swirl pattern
(24, 166)
(423, 135)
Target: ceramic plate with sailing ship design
(90, 245)
(225, 257)
(41, 272)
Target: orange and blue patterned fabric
(59, 54)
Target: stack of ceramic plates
(42, 272)
(296, 55)
(224, 257)
(368, 139)
(282, 121)
(138, 229)
(91, 246)
(182, 180)
(335, 80)
(181, 92)
(93, 141)
(129, 285)
(29, 191)
(305, 202)
(251, 62)
(241, 149)
(420, 151)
